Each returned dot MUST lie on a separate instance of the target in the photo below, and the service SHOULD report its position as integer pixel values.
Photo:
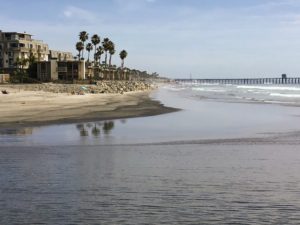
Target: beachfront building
(50, 64)
(60, 55)
(60, 70)
(60, 66)
(14, 45)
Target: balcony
(19, 49)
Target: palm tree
(99, 53)
(20, 64)
(111, 51)
(106, 45)
(95, 40)
(83, 36)
(123, 55)
(89, 47)
(79, 48)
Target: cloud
(132, 5)
(75, 13)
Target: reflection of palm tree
(123, 121)
(89, 125)
(95, 131)
(79, 126)
(84, 132)
(108, 126)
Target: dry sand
(27, 108)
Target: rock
(109, 86)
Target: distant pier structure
(283, 80)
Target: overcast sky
(176, 38)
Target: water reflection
(17, 131)
(95, 128)
(108, 126)
(123, 121)
(96, 131)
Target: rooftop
(16, 33)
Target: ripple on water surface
(144, 184)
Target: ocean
(230, 156)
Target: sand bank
(27, 108)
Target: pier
(246, 81)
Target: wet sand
(29, 108)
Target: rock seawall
(113, 87)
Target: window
(8, 36)
(14, 37)
(13, 45)
(10, 54)
(11, 62)
(43, 67)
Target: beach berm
(42, 104)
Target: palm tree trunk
(89, 56)
(110, 60)
(95, 54)
(105, 57)
(99, 59)
(122, 65)
(83, 50)
(122, 69)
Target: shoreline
(22, 108)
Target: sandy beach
(27, 108)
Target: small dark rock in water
(5, 92)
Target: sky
(176, 38)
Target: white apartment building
(15, 45)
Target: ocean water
(230, 156)
(267, 93)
